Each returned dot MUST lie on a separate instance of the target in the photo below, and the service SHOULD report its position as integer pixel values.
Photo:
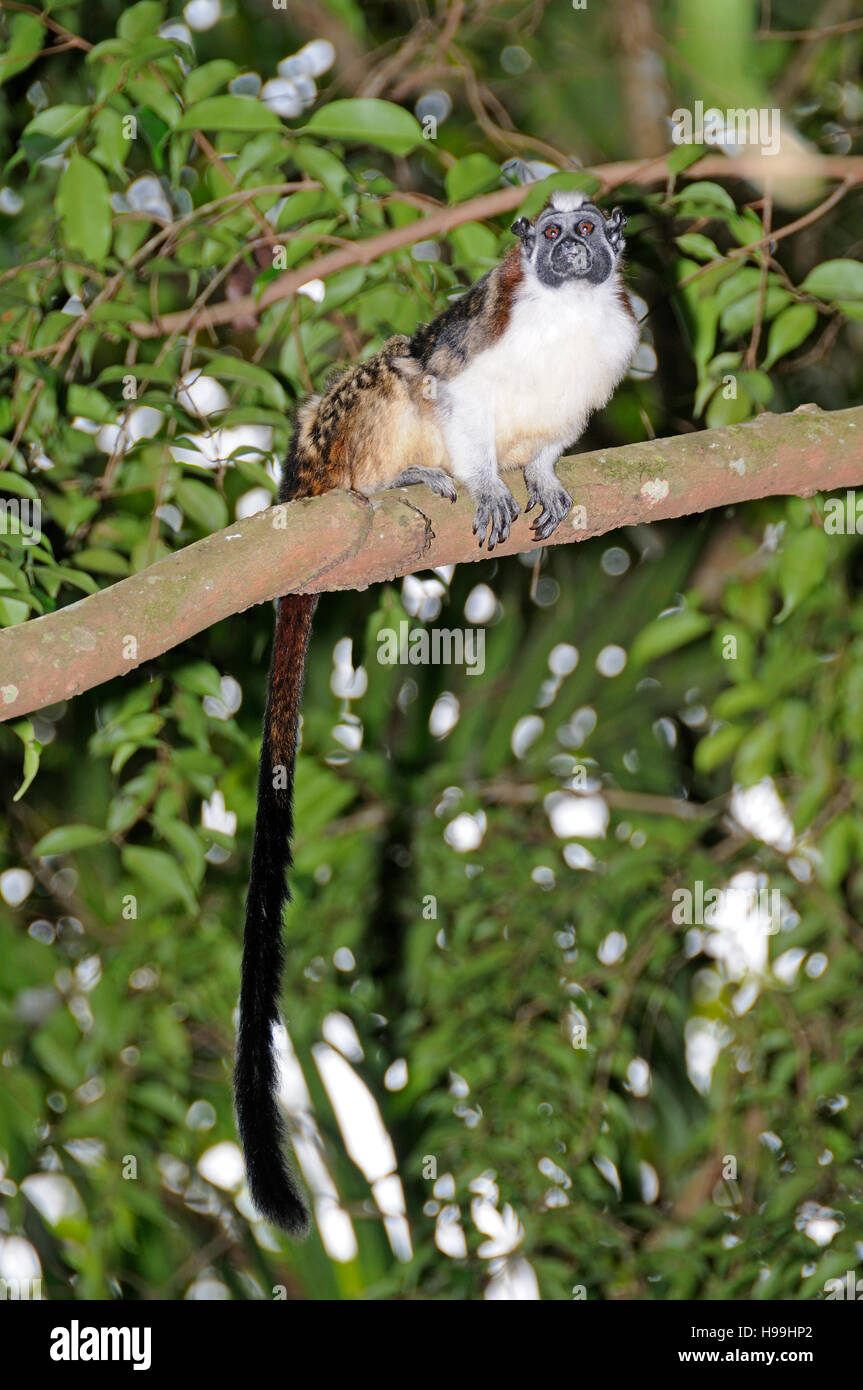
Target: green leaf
(27, 35)
(711, 194)
(58, 122)
(67, 838)
(139, 20)
(12, 612)
(208, 78)
(78, 581)
(851, 308)
(729, 410)
(87, 401)
(202, 503)
(742, 699)
(684, 155)
(665, 635)
(740, 316)
(344, 285)
(717, 747)
(226, 368)
(255, 471)
(368, 121)
(756, 756)
(836, 848)
(473, 244)
(835, 280)
(32, 750)
(474, 174)
(153, 95)
(758, 385)
(201, 678)
(141, 371)
(13, 482)
(701, 247)
(229, 113)
(99, 560)
(745, 227)
(187, 846)
(59, 1063)
(789, 329)
(321, 164)
(84, 207)
(111, 147)
(160, 873)
(802, 566)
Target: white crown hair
(567, 202)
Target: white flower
(584, 816)
(202, 14)
(503, 1228)
(202, 394)
(281, 95)
(314, 290)
(317, 57)
(466, 832)
(53, 1196)
(214, 815)
(180, 33)
(213, 449)
(146, 194)
(222, 1165)
(15, 886)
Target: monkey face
(572, 240)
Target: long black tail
(273, 1186)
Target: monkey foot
(498, 508)
(555, 502)
(435, 478)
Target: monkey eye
(585, 228)
(552, 233)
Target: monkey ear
(614, 229)
(524, 231)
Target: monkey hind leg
(435, 478)
(545, 490)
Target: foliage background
(562, 1165)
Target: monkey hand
(497, 506)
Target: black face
(572, 245)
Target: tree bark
(345, 541)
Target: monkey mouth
(571, 258)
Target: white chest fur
(560, 358)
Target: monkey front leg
(467, 425)
(545, 489)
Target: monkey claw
(500, 509)
(555, 502)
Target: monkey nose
(575, 252)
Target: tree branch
(848, 168)
(345, 541)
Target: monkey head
(571, 239)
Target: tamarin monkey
(506, 377)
